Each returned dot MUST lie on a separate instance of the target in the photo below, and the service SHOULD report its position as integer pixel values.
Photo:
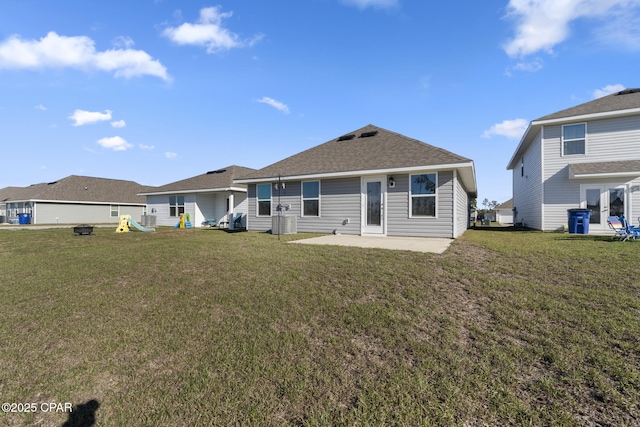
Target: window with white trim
(115, 210)
(263, 192)
(574, 139)
(422, 195)
(176, 205)
(311, 198)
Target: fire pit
(83, 230)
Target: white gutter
(357, 173)
(204, 190)
(77, 202)
(602, 175)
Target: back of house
(367, 182)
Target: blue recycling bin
(579, 221)
(24, 218)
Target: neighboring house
(368, 182)
(72, 200)
(504, 212)
(210, 196)
(587, 157)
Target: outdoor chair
(616, 225)
(237, 222)
(208, 223)
(631, 231)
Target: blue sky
(158, 91)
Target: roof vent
(368, 134)
(346, 137)
(628, 91)
(218, 171)
(51, 183)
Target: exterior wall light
(392, 182)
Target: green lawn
(201, 327)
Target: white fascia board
(357, 173)
(207, 190)
(592, 116)
(602, 175)
(525, 140)
(84, 202)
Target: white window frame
(563, 140)
(434, 195)
(258, 200)
(117, 211)
(302, 199)
(177, 205)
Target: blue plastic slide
(138, 226)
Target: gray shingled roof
(506, 205)
(76, 188)
(385, 150)
(218, 179)
(597, 168)
(623, 100)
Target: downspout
(279, 207)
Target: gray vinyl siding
(339, 207)
(159, 206)
(398, 221)
(255, 222)
(241, 206)
(560, 193)
(77, 213)
(461, 218)
(527, 189)
(607, 140)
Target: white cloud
(607, 90)
(118, 124)
(513, 129)
(55, 51)
(125, 42)
(528, 66)
(209, 32)
(542, 24)
(82, 117)
(115, 143)
(146, 147)
(170, 155)
(275, 104)
(362, 4)
(40, 107)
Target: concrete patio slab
(417, 244)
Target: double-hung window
(115, 211)
(574, 139)
(423, 195)
(311, 198)
(264, 199)
(176, 205)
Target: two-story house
(587, 156)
